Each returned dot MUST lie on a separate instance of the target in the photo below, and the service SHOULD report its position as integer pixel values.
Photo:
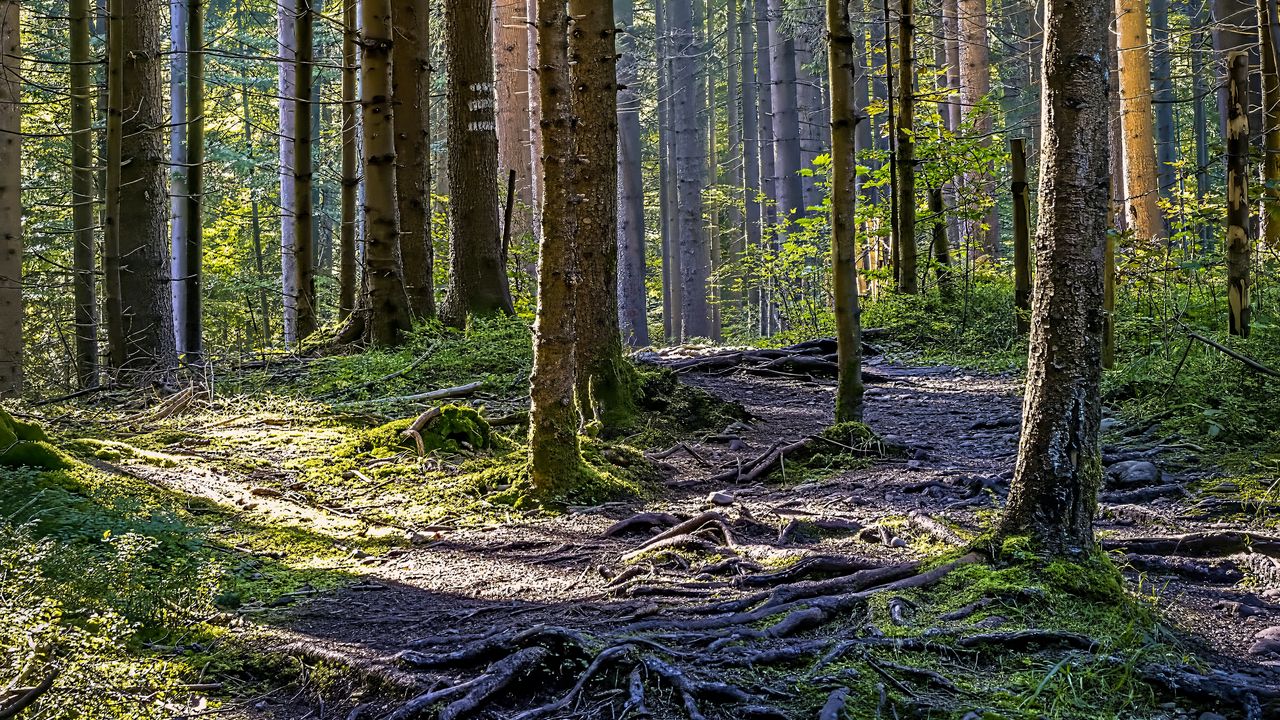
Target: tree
(178, 170)
(1059, 466)
(975, 86)
(10, 198)
(512, 90)
(690, 145)
(287, 54)
(908, 282)
(113, 305)
(411, 80)
(82, 195)
(192, 317)
(553, 419)
(478, 281)
(842, 65)
(750, 151)
(386, 307)
(1142, 192)
(633, 304)
(348, 268)
(304, 250)
(1269, 48)
(1163, 99)
(1231, 17)
(143, 211)
(768, 170)
(786, 119)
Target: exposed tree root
(1223, 572)
(935, 528)
(833, 709)
(1203, 544)
(641, 522)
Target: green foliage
(670, 409)
(455, 429)
(26, 444)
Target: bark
(535, 116)
(1142, 196)
(1021, 235)
(1059, 468)
(304, 252)
(941, 243)
(478, 279)
(553, 418)
(387, 314)
(411, 86)
(1163, 98)
(178, 171)
(671, 296)
(750, 154)
(82, 193)
(1231, 18)
(348, 268)
(731, 277)
(786, 120)
(11, 375)
(511, 87)
(1269, 47)
(192, 277)
(632, 294)
(143, 210)
(842, 65)
(112, 151)
(690, 171)
(950, 80)
(815, 136)
(908, 280)
(1200, 117)
(286, 50)
(975, 86)
(768, 174)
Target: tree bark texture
(287, 52)
(11, 375)
(908, 280)
(349, 264)
(411, 87)
(1234, 43)
(1141, 182)
(690, 142)
(632, 294)
(975, 86)
(82, 194)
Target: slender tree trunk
(410, 67)
(304, 259)
(478, 282)
(511, 74)
(1142, 196)
(11, 374)
(388, 314)
(708, 126)
(908, 279)
(1269, 45)
(786, 120)
(179, 159)
(143, 212)
(1200, 117)
(82, 193)
(113, 305)
(671, 297)
(1231, 18)
(941, 242)
(690, 170)
(750, 156)
(1021, 235)
(553, 419)
(193, 272)
(1163, 98)
(950, 79)
(1059, 467)
(632, 294)
(287, 52)
(975, 86)
(845, 116)
(815, 135)
(535, 116)
(768, 166)
(348, 268)
(733, 177)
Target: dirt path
(960, 431)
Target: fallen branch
(25, 700)
(418, 425)
(442, 394)
(1249, 362)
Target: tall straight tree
(1269, 47)
(113, 305)
(192, 320)
(750, 148)
(82, 194)
(786, 119)
(1141, 182)
(768, 168)
(387, 316)
(478, 281)
(842, 67)
(671, 293)
(1232, 19)
(1163, 99)
(178, 170)
(690, 171)
(632, 300)
(411, 83)
(553, 418)
(348, 267)
(287, 57)
(975, 86)
(304, 247)
(10, 198)
(511, 75)
(1059, 468)
(908, 280)
(143, 212)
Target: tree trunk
(553, 418)
(842, 66)
(411, 84)
(750, 155)
(304, 259)
(193, 271)
(287, 52)
(388, 315)
(812, 112)
(1059, 467)
(82, 194)
(1142, 192)
(768, 166)
(478, 282)
(10, 198)
(671, 297)
(733, 176)
(1021, 235)
(1164, 99)
(511, 75)
(178, 170)
(113, 305)
(786, 120)
(1234, 44)
(349, 265)
(975, 86)
(690, 170)
(143, 212)
(908, 280)
(1268, 31)
(1200, 117)
(632, 294)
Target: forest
(705, 359)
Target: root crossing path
(726, 598)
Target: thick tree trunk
(1163, 98)
(192, 318)
(10, 198)
(411, 84)
(82, 194)
(287, 52)
(842, 66)
(768, 166)
(1233, 42)
(975, 86)
(750, 155)
(1059, 467)
(113, 306)
(349, 264)
(786, 120)
(145, 290)
(632, 295)
(178, 172)
(304, 258)
(387, 307)
(478, 281)
(511, 87)
(1142, 196)
(554, 461)
(690, 170)
(908, 279)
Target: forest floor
(535, 602)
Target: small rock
(1109, 424)
(266, 492)
(722, 498)
(1266, 642)
(920, 454)
(736, 444)
(1132, 473)
(992, 622)
(413, 537)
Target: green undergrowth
(837, 449)
(669, 410)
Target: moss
(670, 409)
(25, 444)
(113, 451)
(455, 429)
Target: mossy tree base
(24, 444)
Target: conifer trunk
(304, 252)
(786, 120)
(112, 152)
(178, 170)
(632, 294)
(1163, 98)
(511, 88)
(1268, 32)
(975, 86)
(1230, 16)
(1142, 192)
(1021, 235)
(192, 278)
(287, 55)
(348, 268)
(908, 280)
(750, 155)
(82, 194)
(11, 375)
(410, 78)
(690, 172)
